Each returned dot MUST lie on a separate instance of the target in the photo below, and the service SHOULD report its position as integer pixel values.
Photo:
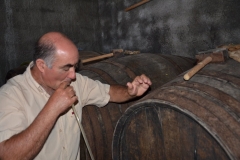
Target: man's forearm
(119, 93)
(28, 143)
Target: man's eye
(66, 68)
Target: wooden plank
(136, 5)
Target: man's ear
(40, 65)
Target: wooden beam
(136, 5)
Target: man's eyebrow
(70, 65)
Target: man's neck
(36, 74)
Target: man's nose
(72, 73)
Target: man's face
(63, 68)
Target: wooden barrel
(195, 119)
(99, 123)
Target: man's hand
(63, 98)
(139, 85)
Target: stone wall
(178, 27)
(24, 21)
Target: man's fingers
(69, 90)
(64, 84)
(138, 80)
(145, 79)
(75, 98)
(73, 93)
(145, 85)
(142, 79)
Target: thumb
(131, 89)
(130, 86)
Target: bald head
(53, 37)
(47, 46)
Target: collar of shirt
(33, 83)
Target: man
(36, 120)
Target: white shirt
(22, 98)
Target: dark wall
(179, 27)
(24, 21)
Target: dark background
(176, 27)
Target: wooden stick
(97, 58)
(136, 5)
(196, 68)
(83, 133)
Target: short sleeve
(12, 118)
(93, 92)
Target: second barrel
(99, 123)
